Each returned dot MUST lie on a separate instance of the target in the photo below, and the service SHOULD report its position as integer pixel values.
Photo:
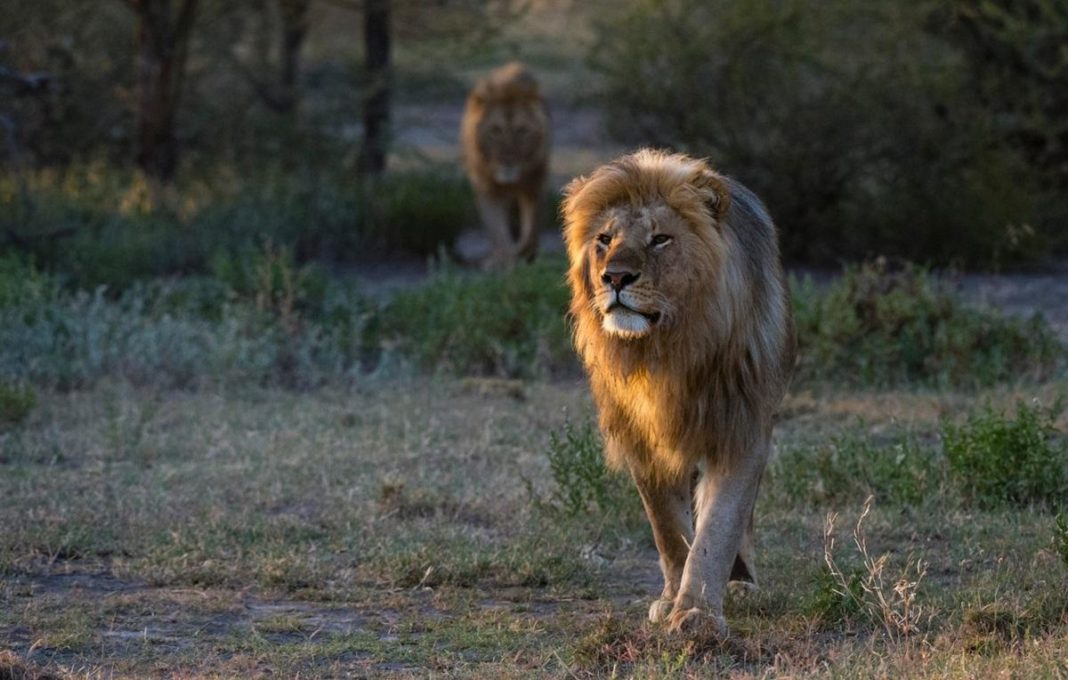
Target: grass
(16, 403)
(262, 467)
(401, 526)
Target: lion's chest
(658, 412)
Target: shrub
(499, 324)
(270, 279)
(16, 403)
(21, 283)
(419, 211)
(266, 317)
(178, 334)
(1060, 538)
(576, 460)
(856, 122)
(997, 460)
(877, 326)
(852, 468)
(98, 225)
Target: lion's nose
(619, 279)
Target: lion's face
(511, 140)
(641, 268)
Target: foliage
(877, 326)
(98, 225)
(1019, 67)
(264, 315)
(272, 281)
(180, 334)
(997, 459)
(852, 467)
(1060, 538)
(23, 284)
(497, 324)
(832, 597)
(16, 403)
(102, 226)
(856, 122)
(582, 481)
(989, 461)
(420, 211)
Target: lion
(681, 316)
(505, 137)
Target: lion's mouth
(652, 317)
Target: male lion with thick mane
(505, 136)
(682, 319)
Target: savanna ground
(259, 452)
(394, 529)
(406, 522)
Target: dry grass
(390, 530)
(890, 601)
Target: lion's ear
(713, 190)
(480, 92)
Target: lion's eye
(660, 239)
(604, 239)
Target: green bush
(182, 334)
(21, 283)
(498, 324)
(996, 459)
(98, 225)
(875, 326)
(1060, 538)
(420, 211)
(851, 468)
(859, 123)
(583, 483)
(16, 403)
(270, 279)
(989, 461)
(264, 316)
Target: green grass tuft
(16, 403)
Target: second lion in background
(505, 136)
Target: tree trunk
(376, 86)
(294, 28)
(163, 42)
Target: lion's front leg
(669, 508)
(528, 227)
(722, 547)
(495, 220)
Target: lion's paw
(742, 589)
(659, 610)
(695, 619)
